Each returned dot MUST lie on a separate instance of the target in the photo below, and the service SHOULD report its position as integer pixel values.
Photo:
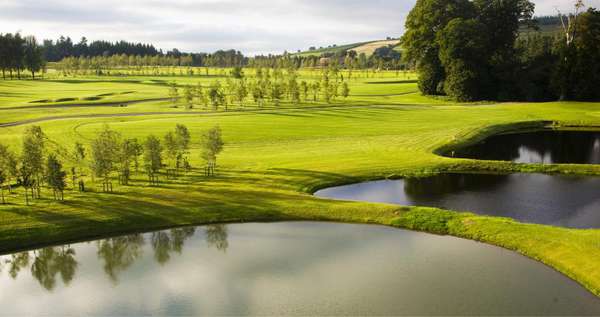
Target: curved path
(81, 105)
(387, 95)
(153, 113)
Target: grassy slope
(364, 47)
(369, 48)
(335, 49)
(274, 160)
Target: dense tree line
(471, 50)
(110, 156)
(64, 47)
(18, 54)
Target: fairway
(275, 157)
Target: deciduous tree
(153, 158)
(211, 145)
(55, 176)
(105, 155)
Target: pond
(545, 146)
(560, 200)
(294, 268)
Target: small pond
(561, 200)
(295, 268)
(545, 146)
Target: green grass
(68, 91)
(275, 158)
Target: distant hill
(363, 47)
(548, 25)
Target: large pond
(547, 146)
(568, 201)
(296, 268)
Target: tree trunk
(39, 188)
(26, 197)
(33, 75)
(2, 194)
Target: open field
(275, 157)
(365, 47)
(370, 48)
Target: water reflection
(117, 255)
(16, 263)
(561, 200)
(550, 146)
(421, 189)
(45, 265)
(50, 262)
(216, 236)
(298, 268)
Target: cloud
(258, 26)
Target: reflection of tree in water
(426, 188)
(164, 242)
(501, 147)
(161, 243)
(561, 146)
(216, 236)
(178, 237)
(67, 264)
(16, 263)
(573, 147)
(49, 262)
(120, 253)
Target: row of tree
(110, 154)
(472, 50)
(273, 86)
(103, 64)
(19, 53)
(386, 57)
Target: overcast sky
(252, 26)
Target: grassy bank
(275, 158)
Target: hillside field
(362, 47)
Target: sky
(251, 26)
